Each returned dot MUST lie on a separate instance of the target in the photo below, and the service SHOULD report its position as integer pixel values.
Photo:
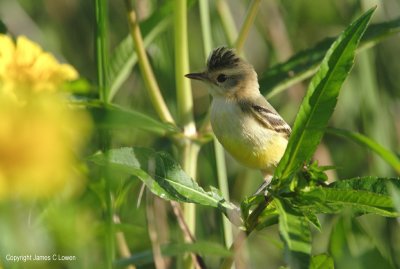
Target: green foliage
(171, 250)
(320, 100)
(111, 116)
(301, 204)
(296, 234)
(365, 195)
(367, 142)
(124, 57)
(298, 192)
(305, 63)
(322, 261)
(161, 174)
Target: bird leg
(263, 187)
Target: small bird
(243, 121)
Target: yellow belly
(255, 156)
(248, 141)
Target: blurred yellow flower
(25, 68)
(40, 134)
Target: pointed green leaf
(296, 234)
(320, 100)
(161, 174)
(305, 63)
(363, 140)
(312, 218)
(322, 261)
(367, 195)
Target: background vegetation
(114, 222)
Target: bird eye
(221, 78)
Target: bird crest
(222, 57)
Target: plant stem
(244, 31)
(205, 26)
(189, 150)
(219, 151)
(189, 164)
(102, 59)
(101, 47)
(227, 21)
(251, 224)
(223, 187)
(144, 65)
(183, 88)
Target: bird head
(228, 75)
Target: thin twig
(122, 244)
(244, 31)
(151, 227)
(187, 235)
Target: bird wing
(266, 115)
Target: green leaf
(305, 63)
(322, 261)
(171, 250)
(395, 194)
(384, 153)
(367, 195)
(113, 116)
(296, 234)
(161, 174)
(312, 218)
(321, 98)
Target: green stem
(189, 150)
(223, 187)
(101, 47)
(205, 26)
(145, 67)
(244, 31)
(219, 151)
(102, 59)
(227, 21)
(183, 89)
(189, 164)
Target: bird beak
(198, 76)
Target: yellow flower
(38, 144)
(40, 135)
(25, 68)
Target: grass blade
(305, 63)
(367, 142)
